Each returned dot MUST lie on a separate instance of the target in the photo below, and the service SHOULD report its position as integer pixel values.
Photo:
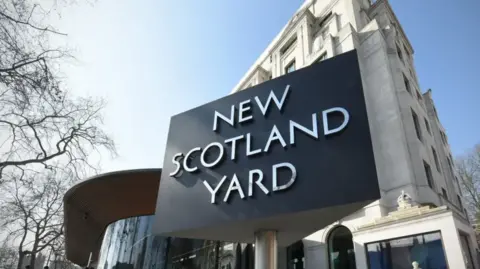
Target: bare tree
(40, 121)
(8, 256)
(32, 211)
(47, 135)
(57, 257)
(468, 170)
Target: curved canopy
(93, 204)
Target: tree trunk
(32, 260)
(20, 259)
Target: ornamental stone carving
(404, 201)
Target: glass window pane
(129, 244)
(401, 253)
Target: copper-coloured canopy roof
(93, 204)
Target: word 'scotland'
(228, 149)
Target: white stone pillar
(452, 246)
(315, 254)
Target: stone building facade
(411, 147)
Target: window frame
(419, 96)
(288, 45)
(416, 124)
(427, 126)
(322, 57)
(365, 245)
(406, 51)
(399, 52)
(459, 200)
(406, 83)
(430, 180)
(445, 194)
(436, 160)
(290, 64)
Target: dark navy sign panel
(292, 154)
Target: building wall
(386, 59)
(386, 63)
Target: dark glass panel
(128, 244)
(295, 256)
(401, 253)
(340, 248)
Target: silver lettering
(219, 158)
(287, 185)
(233, 140)
(224, 118)
(244, 107)
(274, 135)
(176, 163)
(272, 96)
(234, 186)
(251, 174)
(214, 191)
(313, 132)
(187, 157)
(346, 118)
(251, 152)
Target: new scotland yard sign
(292, 154)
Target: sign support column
(266, 249)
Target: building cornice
(396, 21)
(285, 32)
(399, 217)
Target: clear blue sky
(153, 59)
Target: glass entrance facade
(128, 244)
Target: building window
(407, 84)
(322, 57)
(444, 193)
(435, 158)
(325, 19)
(411, 73)
(290, 67)
(419, 96)
(288, 45)
(399, 52)
(340, 249)
(427, 125)
(467, 254)
(450, 164)
(428, 174)
(459, 201)
(406, 51)
(425, 249)
(295, 256)
(444, 137)
(418, 130)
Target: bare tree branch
(34, 210)
(28, 23)
(468, 170)
(48, 138)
